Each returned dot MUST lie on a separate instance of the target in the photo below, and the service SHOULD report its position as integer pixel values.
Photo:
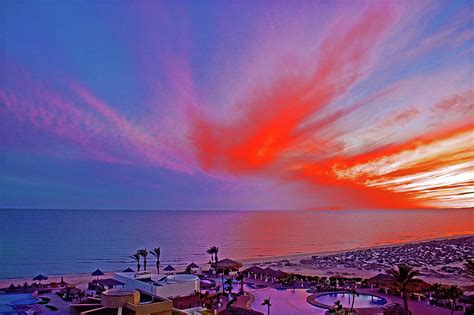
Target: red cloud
(270, 122)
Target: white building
(167, 286)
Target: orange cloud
(434, 171)
(269, 124)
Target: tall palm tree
(453, 292)
(223, 271)
(143, 252)
(401, 278)
(216, 251)
(240, 278)
(136, 258)
(353, 294)
(210, 251)
(156, 252)
(229, 283)
(268, 304)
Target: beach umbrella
(40, 278)
(98, 273)
(193, 266)
(169, 268)
(128, 270)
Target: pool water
(285, 302)
(360, 301)
(15, 299)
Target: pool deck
(417, 308)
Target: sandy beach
(293, 264)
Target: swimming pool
(7, 301)
(285, 302)
(362, 300)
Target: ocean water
(72, 241)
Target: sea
(56, 242)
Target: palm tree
(268, 304)
(223, 271)
(136, 258)
(156, 252)
(401, 278)
(240, 278)
(353, 293)
(216, 251)
(228, 282)
(210, 251)
(143, 252)
(453, 292)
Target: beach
(309, 264)
(70, 242)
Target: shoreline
(294, 264)
(262, 259)
(326, 253)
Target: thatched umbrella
(97, 273)
(40, 278)
(193, 266)
(169, 268)
(227, 264)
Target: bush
(52, 308)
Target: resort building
(227, 265)
(126, 302)
(168, 286)
(268, 274)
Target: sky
(236, 104)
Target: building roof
(109, 282)
(254, 269)
(227, 264)
(267, 271)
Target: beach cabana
(253, 272)
(109, 283)
(227, 265)
(128, 270)
(97, 273)
(40, 278)
(192, 267)
(169, 269)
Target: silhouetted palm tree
(143, 252)
(240, 278)
(268, 304)
(228, 282)
(216, 251)
(401, 278)
(210, 251)
(156, 252)
(136, 258)
(353, 294)
(453, 292)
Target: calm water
(60, 241)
